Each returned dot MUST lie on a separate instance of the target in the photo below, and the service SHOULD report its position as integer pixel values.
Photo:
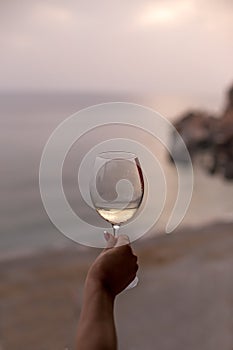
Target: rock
(195, 129)
(208, 136)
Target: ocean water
(27, 120)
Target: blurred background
(174, 56)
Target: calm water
(26, 123)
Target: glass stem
(115, 230)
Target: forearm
(96, 329)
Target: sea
(27, 121)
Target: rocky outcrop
(209, 137)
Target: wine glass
(117, 189)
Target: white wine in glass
(117, 188)
(116, 216)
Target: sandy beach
(183, 301)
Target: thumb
(111, 240)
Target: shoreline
(79, 249)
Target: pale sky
(140, 46)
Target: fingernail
(106, 235)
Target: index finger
(122, 240)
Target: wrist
(96, 286)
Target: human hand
(115, 267)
